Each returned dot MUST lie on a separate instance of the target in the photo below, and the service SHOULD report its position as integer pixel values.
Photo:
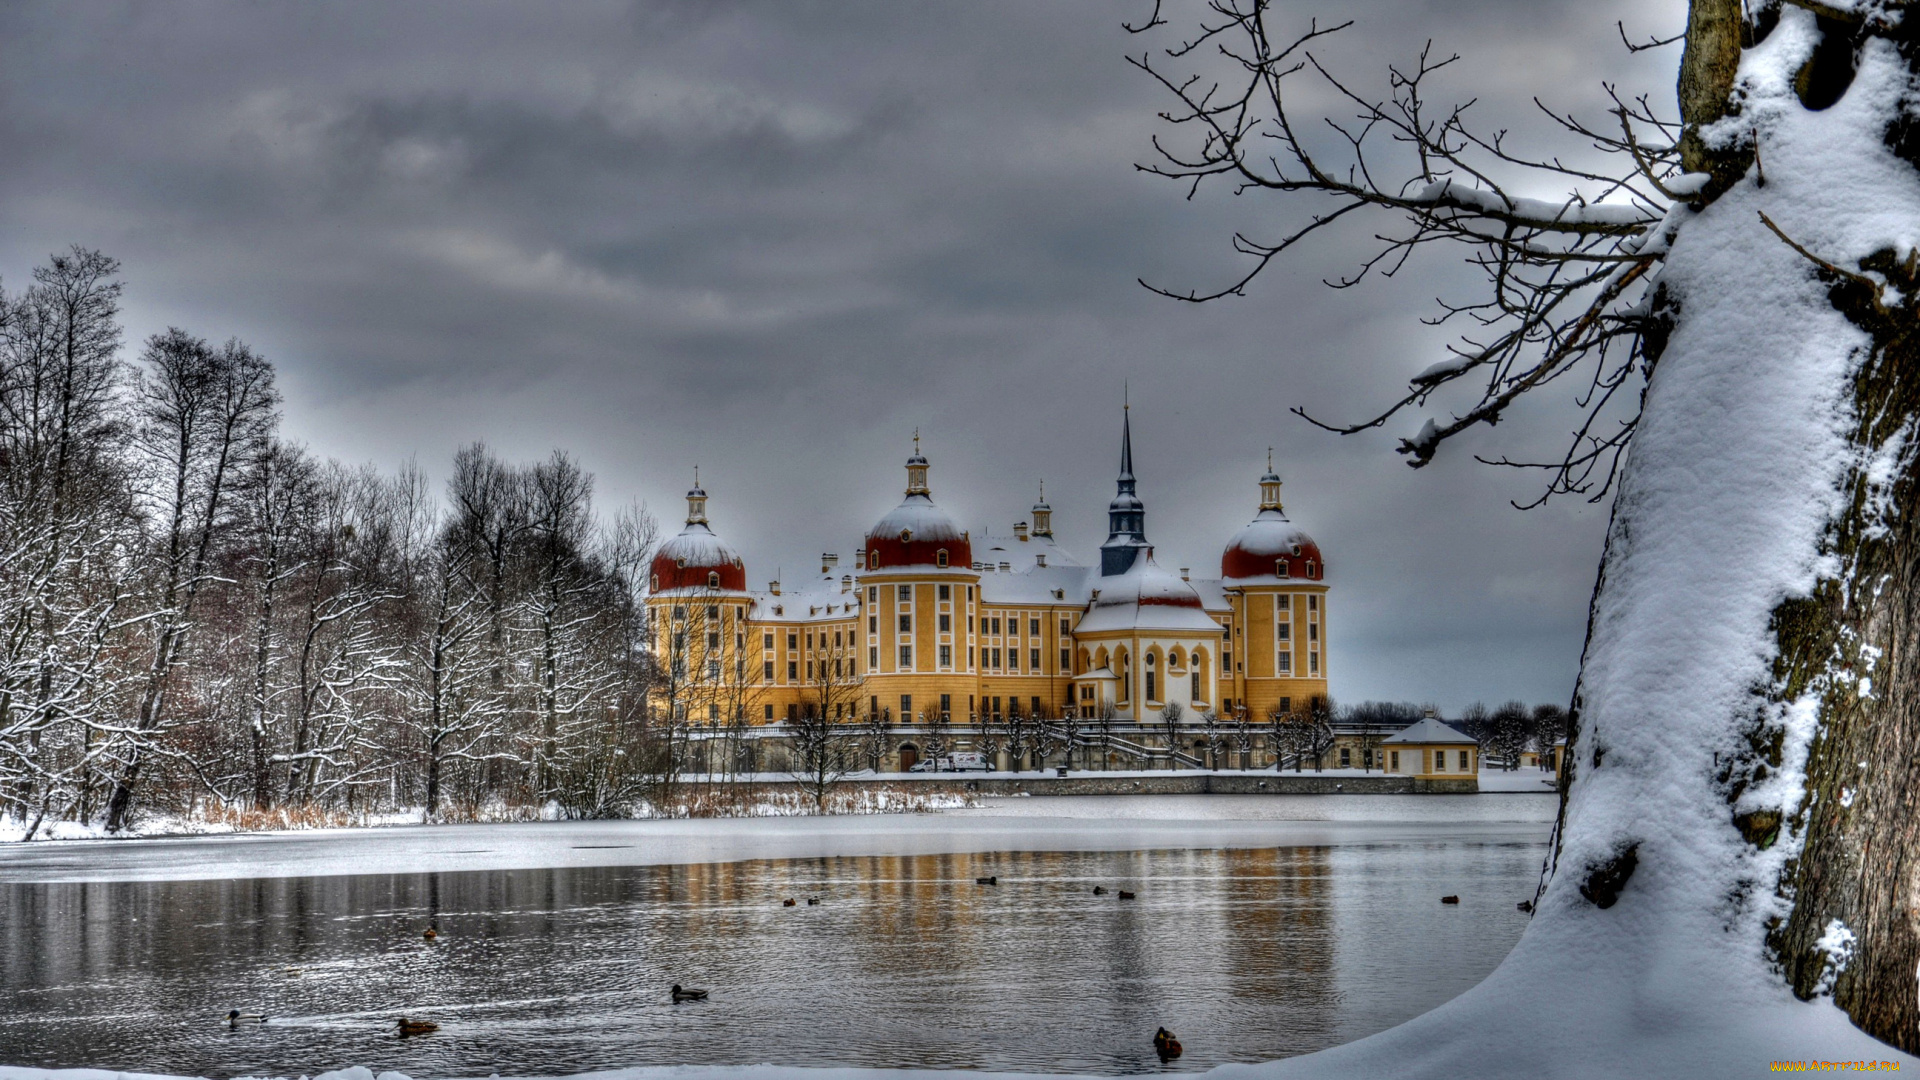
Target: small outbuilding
(1431, 750)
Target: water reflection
(1246, 955)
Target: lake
(1247, 952)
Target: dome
(1146, 597)
(914, 534)
(689, 561)
(1270, 544)
(697, 559)
(917, 533)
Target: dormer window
(653, 583)
(713, 579)
(680, 563)
(873, 559)
(1295, 549)
(906, 535)
(1309, 567)
(940, 558)
(1280, 568)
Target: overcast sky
(772, 240)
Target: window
(940, 557)
(1309, 567)
(993, 660)
(946, 622)
(713, 611)
(1286, 663)
(679, 613)
(823, 669)
(906, 623)
(1066, 661)
(1197, 696)
(946, 656)
(1313, 603)
(1283, 602)
(769, 714)
(1284, 631)
(873, 625)
(1065, 628)
(1313, 631)
(946, 592)
(906, 656)
(1033, 660)
(654, 583)
(906, 707)
(904, 593)
(713, 670)
(713, 639)
(1279, 568)
(793, 713)
(1465, 765)
(1286, 704)
(1036, 708)
(713, 714)
(1313, 663)
(766, 641)
(766, 670)
(1439, 761)
(793, 642)
(1346, 758)
(1033, 627)
(793, 671)
(713, 579)
(946, 704)
(873, 657)
(1394, 759)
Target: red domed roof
(1268, 543)
(691, 559)
(914, 534)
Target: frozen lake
(1263, 927)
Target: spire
(1126, 515)
(1043, 515)
(917, 470)
(1270, 488)
(696, 501)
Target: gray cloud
(773, 239)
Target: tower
(1126, 515)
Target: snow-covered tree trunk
(1738, 830)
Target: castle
(927, 622)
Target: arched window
(654, 583)
(940, 557)
(713, 579)
(873, 559)
(1280, 568)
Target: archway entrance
(909, 756)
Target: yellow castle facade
(929, 623)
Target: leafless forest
(197, 612)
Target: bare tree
(204, 415)
(821, 737)
(1243, 737)
(1170, 718)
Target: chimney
(828, 561)
(1185, 572)
(1040, 560)
(846, 583)
(1020, 531)
(774, 586)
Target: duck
(813, 901)
(1525, 905)
(431, 933)
(1125, 895)
(235, 1018)
(994, 880)
(1166, 1045)
(417, 1027)
(687, 993)
(1099, 890)
(788, 902)
(1449, 899)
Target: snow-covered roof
(1146, 597)
(1020, 554)
(1038, 585)
(1256, 551)
(1430, 731)
(699, 547)
(1101, 672)
(817, 600)
(918, 516)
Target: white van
(962, 761)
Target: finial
(696, 476)
(1126, 397)
(1269, 459)
(1043, 489)
(916, 441)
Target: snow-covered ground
(1041, 823)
